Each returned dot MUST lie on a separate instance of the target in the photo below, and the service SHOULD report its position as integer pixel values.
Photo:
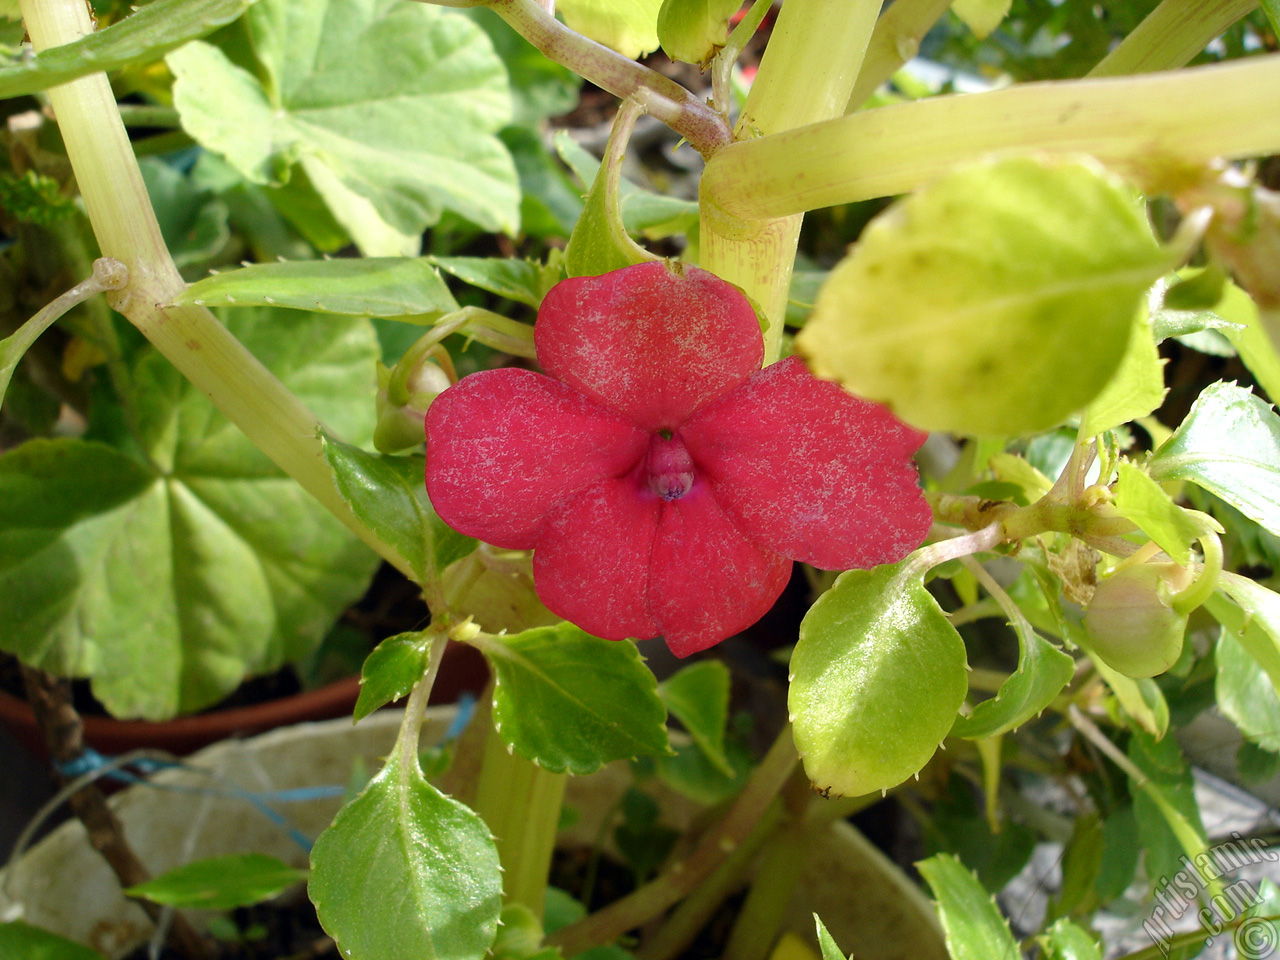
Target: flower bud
(1131, 622)
(403, 399)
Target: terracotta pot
(462, 670)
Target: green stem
(1125, 122)
(163, 143)
(1206, 582)
(895, 40)
(680, 878)
(1094, 523)
(975, 611)
(1012, 611)
(727, 56)
(684, 924)
(764, 912)
(521, 803)
(187, 335)
(979, 541)
(1171, 35)
(757, 253)
(108, 274)
(1187, 834)
(667, 100)
(406, 748)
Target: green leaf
(1255, 765)
(1196, 289)
(827, 943)
(404, 871)
(1138, 385)
(561, 909)
(540, 87)
(1143, 501)
(146, 35)
(551, 202)
(693, 30)
(642, 210)
(1229, 444)
(22, 940)
(1164, 805)
(520, 936)
(628, 26)
(876, 680)
(689, 771)
(389, 494)
(1171, 320)
(572, 702)
(193, 221)
(392, 109)
(1142, 699)
(964, 306)
(981, 16)
(1120, 850)
(364, 287)
(166, 579)
(959, 826)
(1250, 337)
(392, 669)
(1245, 694)
(1252, 613)
(1043, 670)
(1068, 941)
(220, 883)
(1081, 864)
(974, 928)
(599, 242)
(34, 198)
(524, 281)
(698, 696)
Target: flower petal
(505, 446)
(708, 581)
(654, 341)
(591, 563)
(816, 473)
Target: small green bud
(1131, 622)
(403, 398)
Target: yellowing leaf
(628, 26)
(994, 302)
(981, 16)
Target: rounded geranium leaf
(592, 562)
(707, 580)
(654, 342)
(811, 470)
(505, 446)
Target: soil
(283, 929)
(286, 928)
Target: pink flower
(663, 480)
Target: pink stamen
(669, 466)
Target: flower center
(669, 466)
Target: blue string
(466, 710)
(88, 761)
